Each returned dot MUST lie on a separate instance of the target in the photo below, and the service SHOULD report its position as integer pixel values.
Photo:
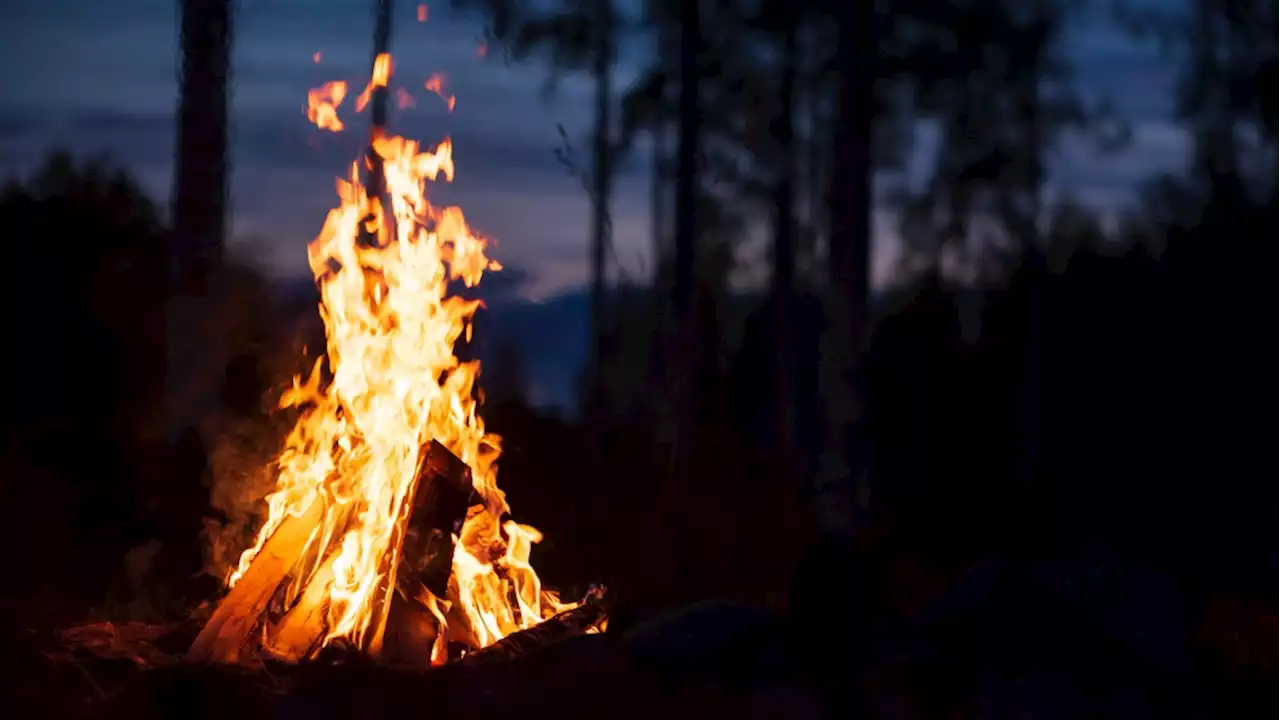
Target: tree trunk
(601, 180)
(200, 173)
(849, 210)
(195, 342)
(661, 226)
(818, 147)
(784, 251)
(686, 228)
(682, 342)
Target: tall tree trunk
(1215, 147)
(200, 171)
(660, 220)
(687, 151)
(1033, 119)
(194, 363)
(659, 227)
(682, 343)
(600, 189)
(849, 210)
(818, 148)
(659, 188)
(783, 291)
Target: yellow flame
(381, 76)
(395, 384)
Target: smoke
(268, 335)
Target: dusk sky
(97, 76)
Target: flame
(482, 49)
(381, 76)
(422, 13)
(395, 384)
(322, 105)
(315, 57)
(435, 84)
(404, 99)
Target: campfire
(387, 533)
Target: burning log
(296, 635)
(587, 617)
(440, 501)
(238, 613)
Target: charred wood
(591, 615)
(444, 493)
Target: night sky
(98, 76)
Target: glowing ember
(322, 105)
(395, 384)
(435, 84)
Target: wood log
(297, 635)
(411, 633)
(239, 612)
(560, 627)
(440, 503)
(438, 492)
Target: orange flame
(435, 84)
(404, 99)
(322, 105)
(381, 76)
(315, 58)
(422, 13)
(395, 384)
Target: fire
(381, 76)
(393, 384)
(322, 105)
(422, 13)
(435, 84)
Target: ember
(387, 491)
